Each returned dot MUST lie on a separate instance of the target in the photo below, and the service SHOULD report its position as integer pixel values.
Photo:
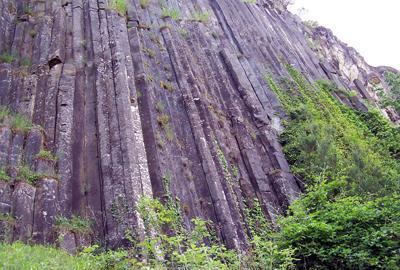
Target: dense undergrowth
(169, 245)
(349, 217)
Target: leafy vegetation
(345, 233)
(349, 217)
(185, 249)
(392, 97)
(266, 252)
(325, 140)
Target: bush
(349, 233)
(180, 248)
(326, 140)
(349, 217)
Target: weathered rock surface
(131, 104)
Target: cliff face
(148, 104)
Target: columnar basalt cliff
(144, 104)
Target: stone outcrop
(143, 105)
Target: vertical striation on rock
(141, 105)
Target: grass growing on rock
(202, 17)
(172, 13)
(3, 175)
(75, 224)
(46, 155)
(17, 122)
(27, 175)
(6, 57)
(120, 6)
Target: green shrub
(185, 249)
(349, 233)
(326, 140)
(349, 217)
(266, 251)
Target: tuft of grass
(202, 17)
(46, 155)
(120, 6)
(7, 218)
(149, 52)
(20, 123)
(144, 3)
(169, 133)
(4, 113)
(26, 174)
(6, 57)
(26, 62)
(4, 176)
(250, 1)
(75, 224)
(167, 86)
(172, 13)
(160, 106)
(163, 120)
(26, 257)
